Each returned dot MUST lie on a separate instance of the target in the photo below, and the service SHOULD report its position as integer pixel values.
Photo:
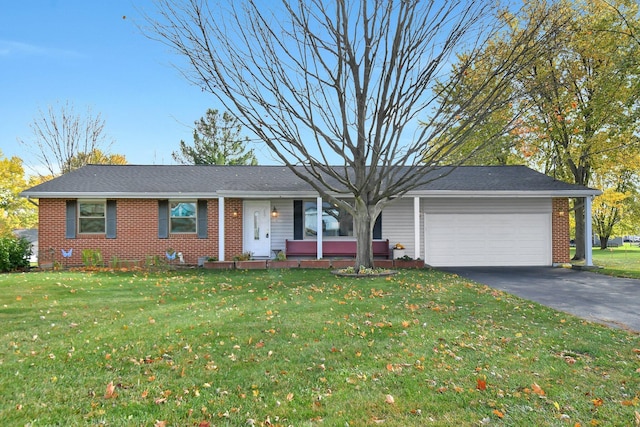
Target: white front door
(257, 228)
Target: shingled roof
(204, 181)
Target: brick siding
(560, 231)
(137, 233)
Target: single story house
(472, 216)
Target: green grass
(301, 348)
(623, 261)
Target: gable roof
(212, 181)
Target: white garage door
(487, 239)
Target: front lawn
(301, 348)
(622, 261)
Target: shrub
(14, 253)
(245, 256)
(92, 258)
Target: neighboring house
(473, 216)
(31, 234)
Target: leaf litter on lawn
(296, 347)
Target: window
(182, 217)
(91, 217)
(336, 222)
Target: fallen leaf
(481, 384)
(597, 402)
(389, 399)
(537, 389)
(290, 397)
(498, 413)
(160, 424)
(110, 392)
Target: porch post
(416, 227)
(588, 233)
(221, 228)
(319, 227)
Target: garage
(487, 239)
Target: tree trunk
(363, 230)
(580, 227)
(604, 240)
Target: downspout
(30, 200)
(416, 227)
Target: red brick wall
(232, 228)
(137, 233)
(560, 231)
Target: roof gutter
(302, 194)
(517, 194)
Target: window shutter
(298, 220)
(202, 219)
(72, 212)
(163, 219)
(377, 228)
(111, 219)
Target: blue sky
(90, 53)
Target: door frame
(263, 209)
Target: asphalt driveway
(595, 297)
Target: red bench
(333, 248)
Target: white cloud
(10, 47)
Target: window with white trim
(336, 222)
(92, 216)
(183, 217)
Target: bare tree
(339, 87)
(64, 140)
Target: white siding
(282, 226)
(397, 219)
(397, 224)
(483, 232)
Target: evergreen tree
(216, 141)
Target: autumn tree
(95, 157)
(578, 104)
(338, 87)
(63, 139)
(617, 207)
(15, 212)
(216, 141)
